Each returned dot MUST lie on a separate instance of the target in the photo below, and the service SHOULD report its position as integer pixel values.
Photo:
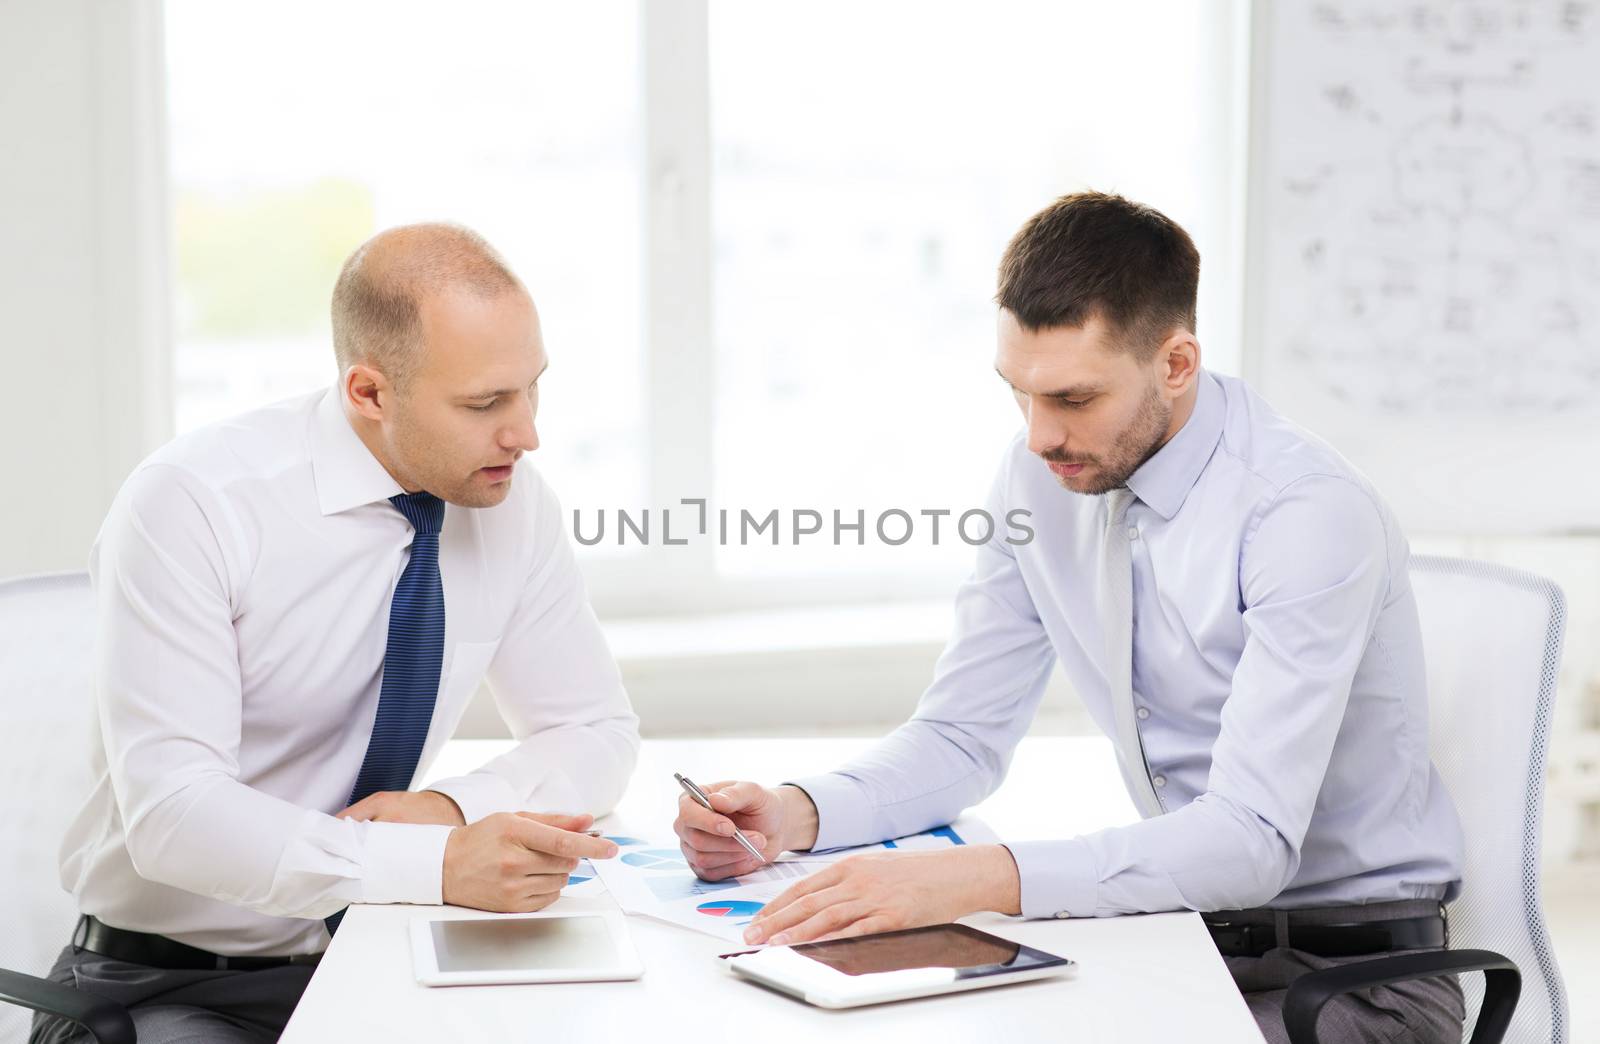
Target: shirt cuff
(1057, 878)
(403, 863)
(479, 794)
(844, 817)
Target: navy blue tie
(411, 661)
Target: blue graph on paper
(944, 832)
(656, 859)
(671, 889)
(739, 911)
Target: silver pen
(700, 798)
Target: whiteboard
(1423, 272)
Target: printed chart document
(584, 880)
(652, 879)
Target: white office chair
(1492, 637)
(46, 708)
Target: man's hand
(883, 892)
(773, 819)
(517, 862)
(405, 806)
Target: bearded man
(1228, 596)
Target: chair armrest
(1502, 985)
(107, 1021)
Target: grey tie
(1116, 612)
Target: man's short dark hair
(1094, 254)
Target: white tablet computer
(540, 947)
(889, 966)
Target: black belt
(157, 951)
(1343, 931)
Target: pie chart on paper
(740, 910)
(656, 859)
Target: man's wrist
(994, 883)
(800, 819)
(448, 803)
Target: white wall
(83, 264)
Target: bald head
(378, 298)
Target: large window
(762, 237)
(870, 163)
(297, 134)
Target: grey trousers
(1424, 1011)
(169, 1007)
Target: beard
(1133, 445)
(426, 465)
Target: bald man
(294, 608)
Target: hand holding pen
(704, 801)
(714, 826)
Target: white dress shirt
(243, 579)
(1278, 682)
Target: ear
(1178, 362)
(367, 391)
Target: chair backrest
(1492, 637)
(46, 710)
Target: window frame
(678, 349)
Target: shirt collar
(346, 473)
(1164, 481)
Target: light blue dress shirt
(1277, 671)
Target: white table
(1150, 978)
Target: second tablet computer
(917, 962)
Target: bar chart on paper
(654, 880)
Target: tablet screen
(964, 950)
(524, 944)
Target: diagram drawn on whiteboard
(1432, 217)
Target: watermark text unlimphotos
(741, 527)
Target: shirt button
(1133, 532)
(1143, 712)
(1160, 781)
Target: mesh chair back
(1492, 637)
